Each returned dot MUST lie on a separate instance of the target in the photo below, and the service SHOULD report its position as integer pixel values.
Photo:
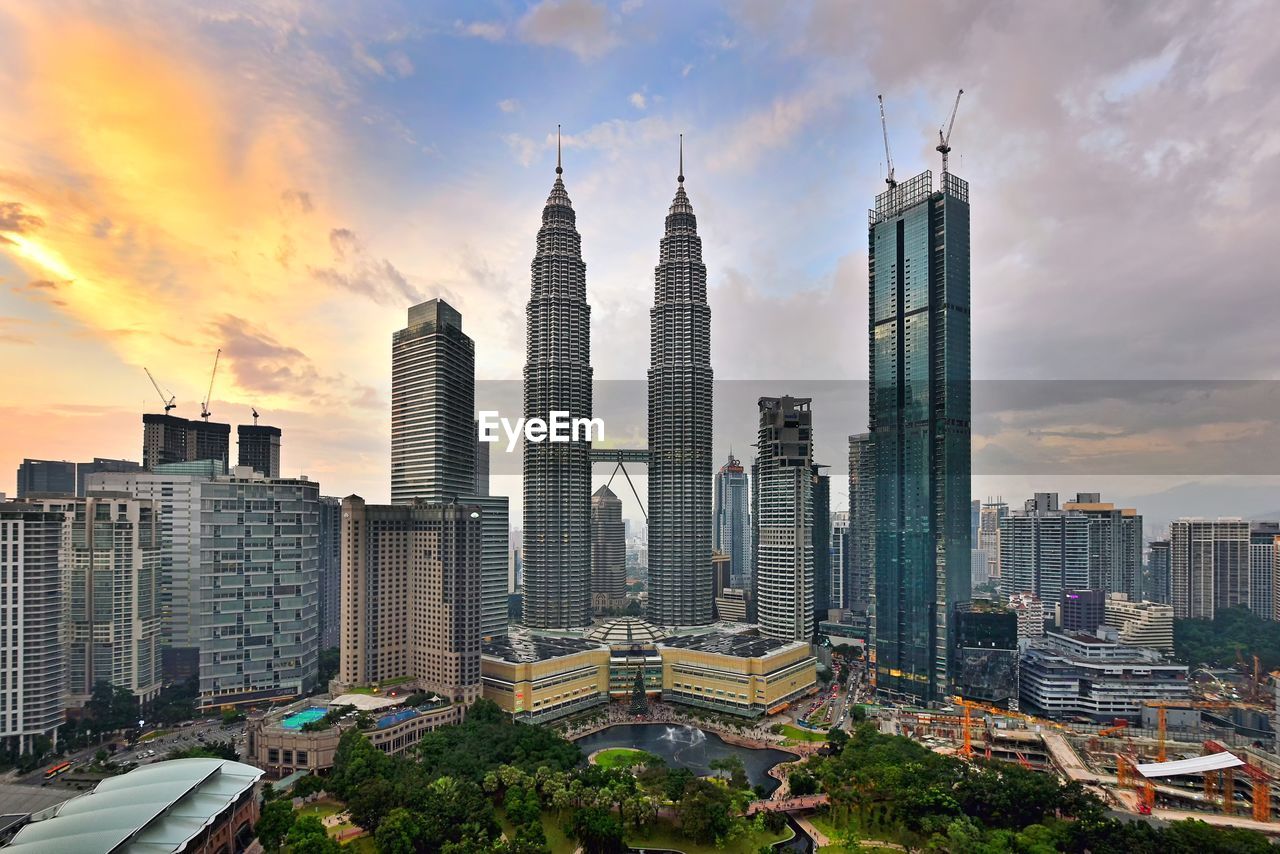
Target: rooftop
(522, 647)
(625, 631)
(158, 807)
(739, 645)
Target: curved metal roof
(157, 807)
(623, 631)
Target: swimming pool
(306, 716)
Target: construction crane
(254, 410)
(1112, 730)
(944, 139)
(966, 749)
(1253, 677)
(208, 398)
(1127, 775)
(888, 157)
(169, 403)
(1161, 705)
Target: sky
(281, 180)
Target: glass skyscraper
(918, 252)
(731, 532)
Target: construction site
(1208, 758)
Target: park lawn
(361, 845)
(800, 734)
(322, 810)
(822, 821)
(556, 839)
(662, 833)
(154, 734)
(619, 757)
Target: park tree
(398, 833)
(274, 824)
(308, 836)
(599, 830)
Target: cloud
(12, 331)
(359, 272)
(491, 31)
(14, 218)
(397, 65)
(581, 27)
(509, 105)
(637, 100)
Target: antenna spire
(559, 167)
(680, 177)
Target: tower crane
(254, 410)
(944, 139)
(168, 402)
(204, 407)
(888, 157)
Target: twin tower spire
(558, 377)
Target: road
(152, 750)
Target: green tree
(398, 833)
(371, 801)
(735, 770)
(802, 783)
(599, 830)
(274, 824)
(308, 836)
(704, 811)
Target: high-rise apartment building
(176, 499)
(46, 477)
(557, 378)
(1115, 545)
(608, 551)
(782, 519)
(989, 516)
(100, 465)
(1208, 566)
(731, 531)
(258, 447)
(170, 439)
(1141, 624)
(329, 574)
(33, 657)
(435, 444)
(918, 259)
(1158, 576)
(1044, 550)
(680, 466)
(259, 570)
(111, 587)
(839, 558)
(411, 595)
(1262, 536)
(860, 588)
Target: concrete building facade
(1208, 566)
(258, 447)
(608, 551)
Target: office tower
(989, 516)
(862, 524)
(33, 660)
(782, 519)
(821, 491)
(608, 552)
(986, 641)
(258, 579)
(978, 569)
(1044, 551)
(176, 500)
(720, 572)
(839, 558)
(482, 465)
(1158, 572)
(329, 574)
(1262, 537)
(259, 448)
(99, 465)
(46, 477)
(975, 518)
(680, 425)
(170, 439)
(411, 596)
(111, 587)
(1115, 545)
(435, 438)
(1208, 566)
(433, 403)
(557, 378)
(918, 259)
(731, 532)
(1083, 610)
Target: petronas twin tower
(557, 378)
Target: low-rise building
(740, 673)
(193, 806)
(538, 678)
(1148, 624)
(304, 736)
(1031, 616)
(1078, 675)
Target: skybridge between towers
(620, 457)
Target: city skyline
(804, 145)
